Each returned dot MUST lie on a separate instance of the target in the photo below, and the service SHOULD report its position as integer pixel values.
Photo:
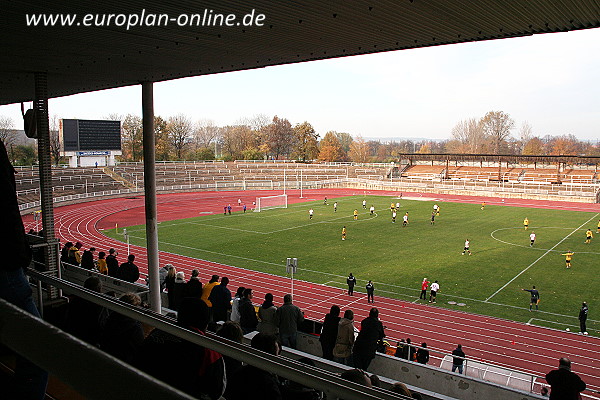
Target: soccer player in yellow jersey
(568, 256)
(392, 206)
(598, 230)
(588, 236)
(355, 215)
(344, 233)
(483, 205)
(526, 223)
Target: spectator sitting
(85, 319)
(232, 331)
(220, 297)
(123, 335)
(266, 314)
(401, 388)
(329, 332)
(186, 366)
(193, 287)
(111, 263)
(357, 376)
(423, 354)
(248, 319)
(252, 383)
(291, 390)
(102, 263)
(287, 319)
(128, 271)
(344, 341)
(235, 304)
(87, 259)
(178, 290)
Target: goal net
(268, 202)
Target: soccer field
(397, 258)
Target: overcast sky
(552, 81)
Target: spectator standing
(583, 313)
(75, 254)
(435, 287)
(102, 268)
(248, 319)
(86, 320)
(408, 351)
(162, 275)
(191, 368)
(423, 354)
(370, 291)
(351, 281)
(400, 348)
(287, 319)
(564, 384)
(193, 287)
(220, 297)
(329, 332)
(266, 314)
(252, 383)
(128, 271)
(29, 381)
(178, 290)
(365, 346)
(169, 285)
(87, 259)
(235, 304)
(344, 341)
(123, 335)
(458, 359)
(424, 286)
(64, 252)
(111, 263)
(214, 281)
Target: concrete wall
(429, 378)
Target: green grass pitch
(397, 258)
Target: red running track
(530, 349)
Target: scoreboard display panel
(87, 135)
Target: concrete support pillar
(40, 105)
(149, 143)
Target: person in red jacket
(564, 384)
(424, 286)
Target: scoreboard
(90, 135)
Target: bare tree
(205, 133)
(525, 135)
(497, 126)
(55, 145)
(179, 130)
(468, 137)
(7, 131)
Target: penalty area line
(540, 257)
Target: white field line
(540, 257)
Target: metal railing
(330, 383)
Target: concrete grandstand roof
(85, 58)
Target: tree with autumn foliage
(359, 151)
(280, 136)
(496, 125)
(307, 142)
(331, 148)
(533, 147)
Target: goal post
(269, 202)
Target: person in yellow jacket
(588, 236)
(568, 256)
(214, 281)
(102, 268)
